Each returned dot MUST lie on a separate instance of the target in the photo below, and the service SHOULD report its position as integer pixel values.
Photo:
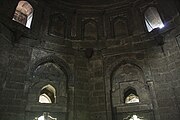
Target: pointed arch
(55, 60)
(37, 78)
(130, 95)
(130, 65)
(47, 94)
(114, 105)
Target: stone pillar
(154, 101)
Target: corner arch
(57, 61)
(124, 62)
(116, 64)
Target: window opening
(131, 96)
(153, 19)
(47, 94)
(43, 98)
(24, 13)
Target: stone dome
(94, 2)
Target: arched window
(44, 98)
(47, 94)
(130, 96)
(153, 19)
(24, 13)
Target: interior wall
(88, 64)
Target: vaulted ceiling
(95, 2)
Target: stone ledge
(134, 107)
(46, 107)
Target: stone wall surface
(91, 55)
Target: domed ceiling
(95, 2)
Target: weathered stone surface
(125, 57)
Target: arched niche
(125, 75)
(116, 108)
(128, 90)
(120, 27)
(90, 30)
(57, 25)
(51, 76)
(24, 13)
(43, 76)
